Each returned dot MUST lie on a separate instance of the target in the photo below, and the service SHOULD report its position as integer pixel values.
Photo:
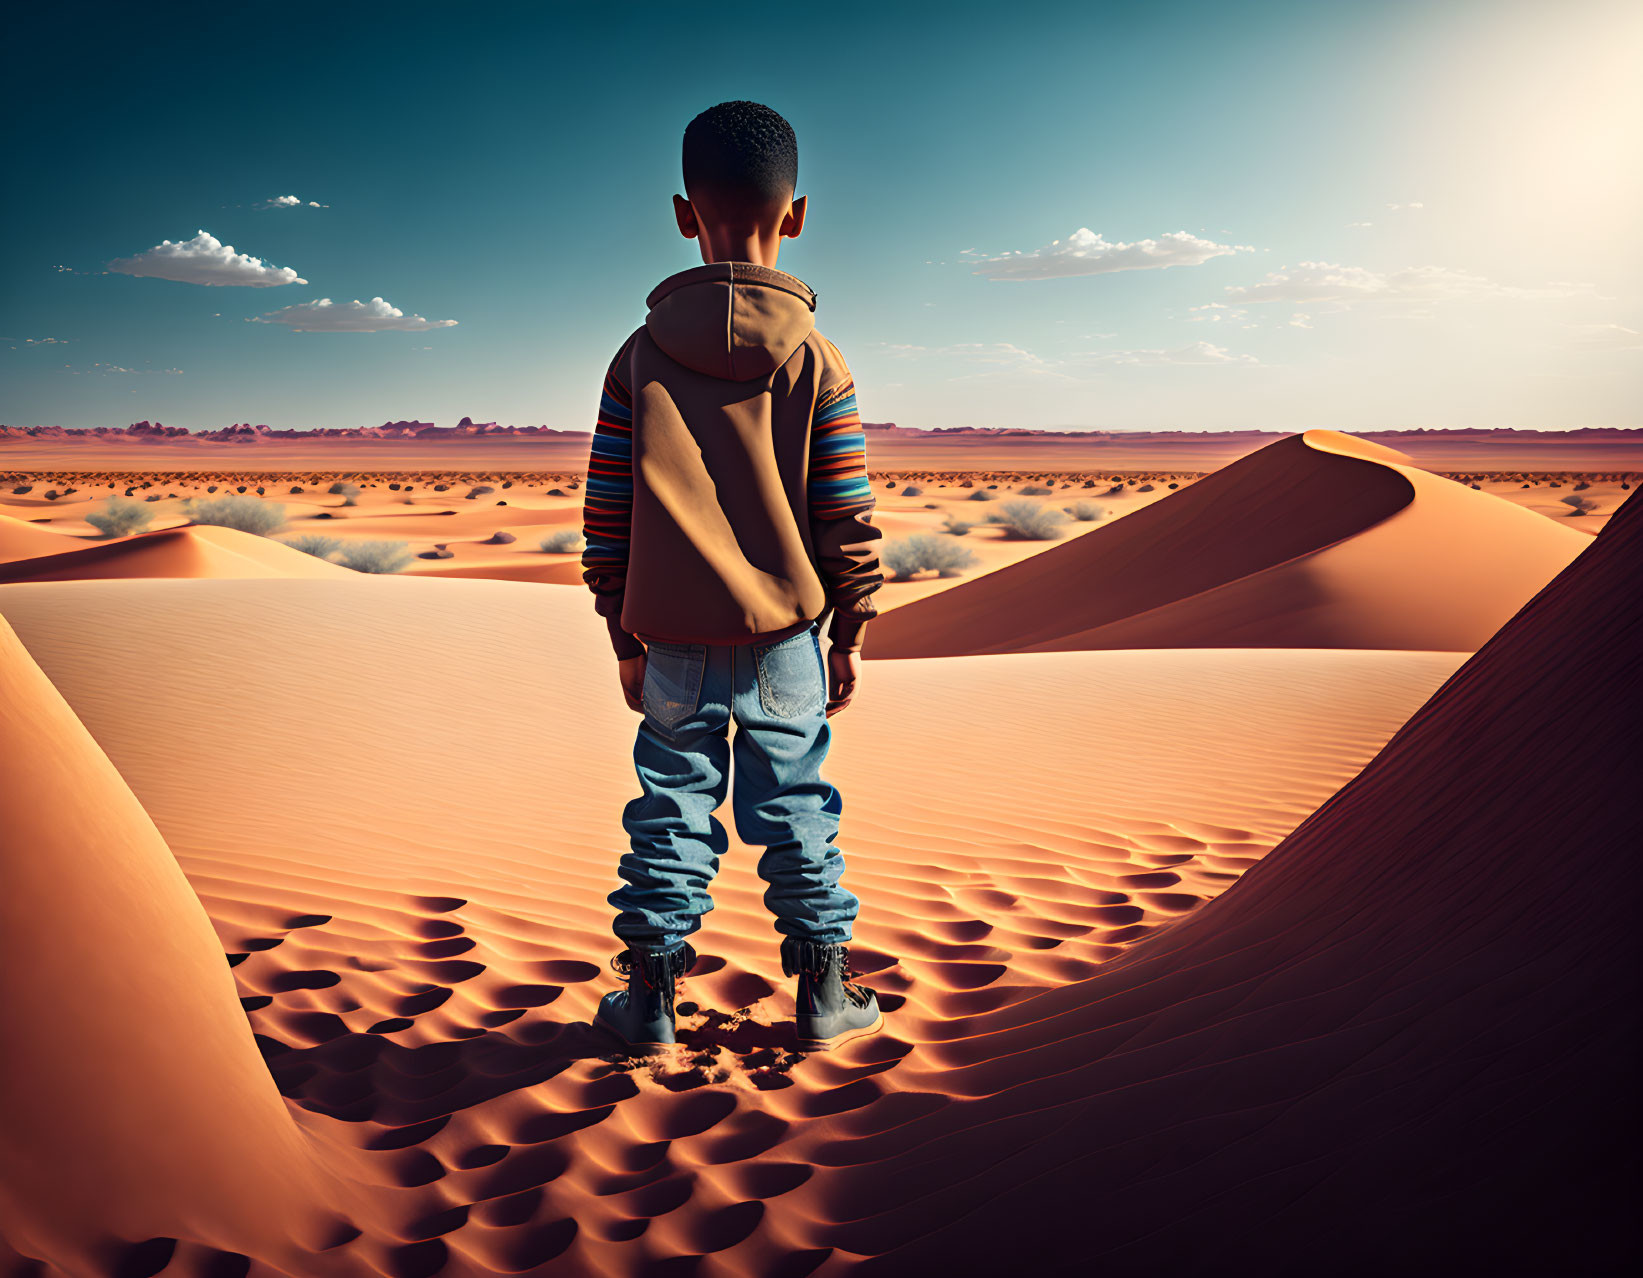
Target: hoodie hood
(737, 321)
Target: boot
(642, 1014)
(830, 1009)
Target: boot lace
(816, 958)
(655, 968)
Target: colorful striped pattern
(607, 510)
(838, 456)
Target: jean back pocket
(791, 683)
(673, 681)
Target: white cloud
(1220, 312)
(291, 202)
(1606, 337)
(1005, 359)
(205, 260)
(1085, 252)
(981, 358)
(1416, 204)
(1197, 353)
(326, 316)
(41, 341)
(1352, 226)
(117, 368)
(1310, 282)
(987, 359)
(1300, 321)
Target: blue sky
(1150, 216)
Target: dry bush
(924, 551)
(375, 556)
(315, 544)
(120, 517)
(566, 541)
(247, 514)
(1030, 521)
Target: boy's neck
(731, 246)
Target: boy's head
(741, 166)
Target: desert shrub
(912, 490)
(120, 518)
(1086, 511)
(958, 527)
(1580, 505)
(481, 490)
(1582, 484)
(315, 544)
(375, 556)
(1035, 490)
(564, 542)
(248, 514)
(925, 551)
(983, 494)
(1031, 521)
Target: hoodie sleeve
(841, 509)
(607, 506)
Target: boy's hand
(631, 671)
(843, 669)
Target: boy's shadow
(413, 1090)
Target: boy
(727, 514)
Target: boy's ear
(793, 223)
(685, 214)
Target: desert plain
(1245, 865)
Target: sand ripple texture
(399, 802)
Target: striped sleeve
(841, 510)
(838, 455)
(607, 506)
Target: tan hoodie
(727, 497)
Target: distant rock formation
(467, 428)
(245, 432)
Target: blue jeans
(776, 693)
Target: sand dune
(405, 848)
(1321, 540)
(194, 551)
(1407, 1041)
(20, 539)
(133, 1100)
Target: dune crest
(1424, 999)
(1321, 540)
(20, 539)
(134, 1104)
(195, 550)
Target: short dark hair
(743, 153)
